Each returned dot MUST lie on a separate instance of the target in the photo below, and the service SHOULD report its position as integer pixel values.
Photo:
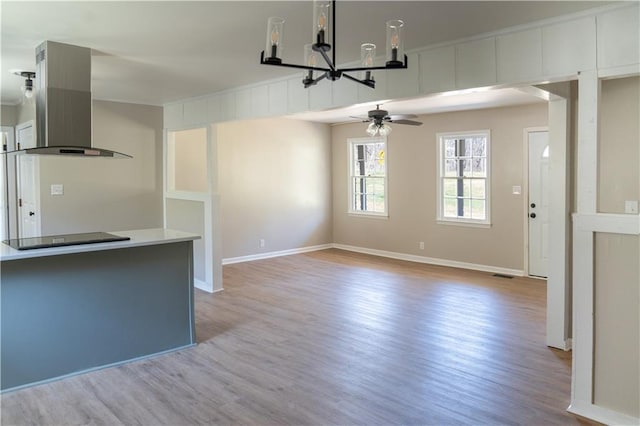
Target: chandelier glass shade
(318, 65)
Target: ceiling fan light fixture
(372, 129)
(378, 129)
(384, 130)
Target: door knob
(32, 213)
(533, 205)
(532, 215)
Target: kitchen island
(72, 309)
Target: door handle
(532, 215)
(32, 213)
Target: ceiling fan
(379, 117)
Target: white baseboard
(201, 285)
(432, 260)
(382, 253)
(601, 414)
(568, 344)
(271, 254)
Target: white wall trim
(187, 196)
(559, 263)
(619, 72)
(628, 224)
(269, 255)
(431, 260)
(602, 415)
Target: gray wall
(275, 184)
(8, 115)
(108, 194)
(412, 167)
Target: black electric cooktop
(63, 240)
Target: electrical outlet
(57, 189)
(421, 245)
(261, 243)
(631, 206)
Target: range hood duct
(63, 102)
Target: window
(463, 181)
(368, 176)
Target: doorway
(538, 203)
(28, 173)
(7, 185)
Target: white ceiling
(154, 52)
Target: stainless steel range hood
(63, 102)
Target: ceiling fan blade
(409, 122)
(396, 117)
(363, 118)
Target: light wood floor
(333, 337)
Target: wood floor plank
(336, 338)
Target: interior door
(9, 214)
(28, 183)
(28, 196)
(538, 202)
(4, 188)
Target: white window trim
(359, 141)
(440, 218)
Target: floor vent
(503, 276)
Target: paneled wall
(552, 50)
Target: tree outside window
(464, 177)
(368, 176)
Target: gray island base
(79, 308)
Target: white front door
(538, 202)
(28, 196)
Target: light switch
(517, 190)
(57, 189)
(631, 206)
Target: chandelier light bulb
(273, 49)
(321, 24)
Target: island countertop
(138, 238)
(73, 309)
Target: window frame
(440, 178)
(351, 142)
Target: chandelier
(318, 64)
